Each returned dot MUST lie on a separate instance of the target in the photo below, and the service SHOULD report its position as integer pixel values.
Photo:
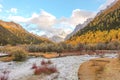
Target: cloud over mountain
(104, 6)
(51, 25)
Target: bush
(7, 49)
(34, 66)
(79, 47)
(45, 47)
(59, 49)
(101, 46)
(70, 47)
(111, 46)
(19, 55)
(118, 56)
(45, 68)
(4, 75)
(88, 47)
(43, 62)
(33, 48)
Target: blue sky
(50, 17)
(56, 7)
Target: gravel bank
(67, 66)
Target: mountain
(13, 33)
(44, 36)
(77, 28)
(105, 27)
(56, 38)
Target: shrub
(43, 47)
(70, 47)
(38, 71)
(52, 69)
(45, 68)
(118, 47)
(88, 47)
(4, 75)
(34, 66)
(59, 49)
(19, 55)
(43, 62)
(79, 47)
(118, 56)
(63, 44)
(7, 49)
(33, 48)
(50, 47)
(111, 46)
(49, 62)
(101, 46)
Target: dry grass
(50, 55)
(8, 49)
(45, 55)
(100, 69)
(94, 69)
(36, 54)
(6, 59)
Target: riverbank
(100, 69)
(67, 66)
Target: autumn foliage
(46, 67)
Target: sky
(50, 17)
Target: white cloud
(107, 3)
(13, 10)
(0, 10)
(44, 19)
(1, 7)
(18, 19)
(51, 25)
(78, 16)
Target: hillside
(105, 27)
(13, 33)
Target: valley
(54, 45)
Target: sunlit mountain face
(104, 28)
(13, 34)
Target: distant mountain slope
(56, 39)
(105, 27)
(13, 33)
(77, 28)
